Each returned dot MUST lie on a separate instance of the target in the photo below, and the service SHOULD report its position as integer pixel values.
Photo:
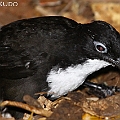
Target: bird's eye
(100, 47)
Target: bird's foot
(101, 90)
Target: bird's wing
(26, 44)
(20, 53)
(15, 64)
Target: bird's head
(101, 41)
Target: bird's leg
(101, 90)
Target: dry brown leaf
(45, 103)
(108, 107)
(109, 12)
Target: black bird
(53, 54)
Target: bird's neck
(62, 81)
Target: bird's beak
(115, 63)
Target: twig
(27, 107)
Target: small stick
(35, 110)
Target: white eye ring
(100, 47)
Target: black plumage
(30, 48)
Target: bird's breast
(62, 81)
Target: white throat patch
(63, 81)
